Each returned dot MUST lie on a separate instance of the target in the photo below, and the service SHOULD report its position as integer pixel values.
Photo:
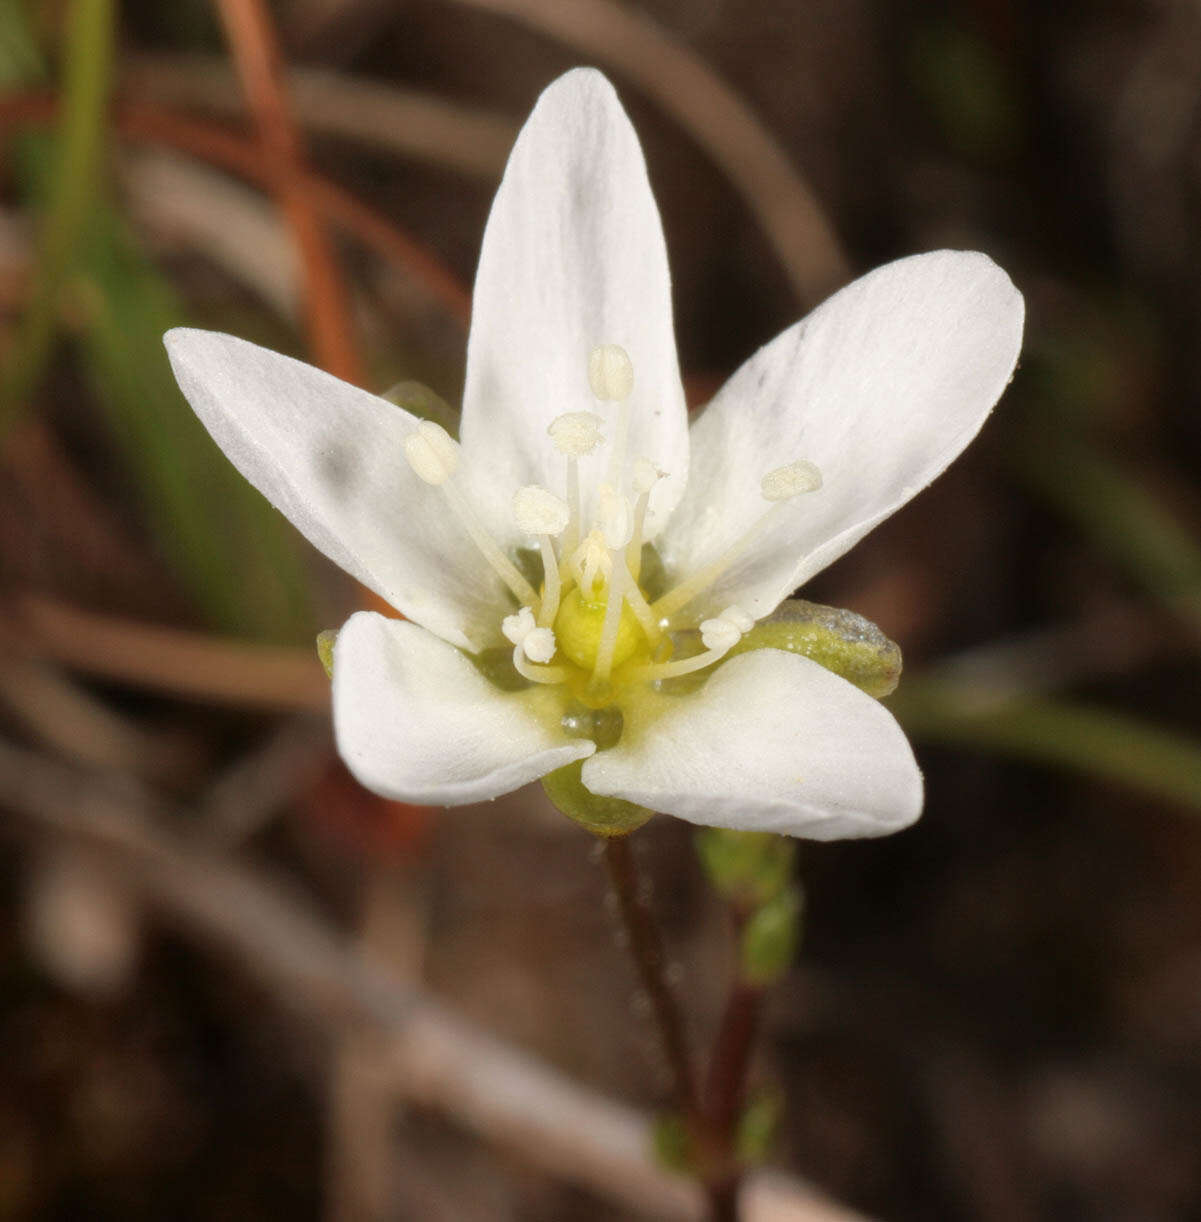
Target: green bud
(600, 815)
(841, 641)
(424, 403)
(757, 1127)
(672, 1143)
(748, 868)
(770, 938)
(325, 649)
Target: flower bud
(841, 641)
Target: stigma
(586, 625)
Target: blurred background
(212, 942)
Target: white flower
(575, 443)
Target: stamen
(518, 625)
(537, 674)
(434, 456)
(643, 613)
(780, 486)
(574, 434)
(645, 476)
(539, 512)
(612, 516)
(719, 635)
(611, 376)
(610, 373)
(432, 453)
(531, 645)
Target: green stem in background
(1094, 741)
(1121, 515)
(87, 76)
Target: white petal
(880, 388)
(772, 742)
(331, 457)
(417, 722)
(573, 257)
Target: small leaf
(841, 641)
(748, 868)
(672, 1143)
(757, 1127)
(770, 938)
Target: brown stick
(725, 1089)
(220, 146)
(256, 53)
(714, 114)
(436, 1058)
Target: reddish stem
(256, 53)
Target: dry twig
(714, 115)
(435, 1058)
(252, 39)
(405, 122)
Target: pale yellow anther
(739, 618)
(539, 512)
(518, 625)
(719, 634)
(726, 630)
(539, 645)
(613, 516)
(610, 373)
(576, 433)
(432, 453)
(784, 483)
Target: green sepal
(596, 813)
(748, 868)
(325, 649)
(424, 403)
(770, 938)
(839, 640)
(672, 1144)
(758, 1126)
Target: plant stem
(725, 1089)
(87, 76)
(646, 950)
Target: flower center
(590, 628)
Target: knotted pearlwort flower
(544, 629)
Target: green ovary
(578, 628)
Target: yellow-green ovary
(578, 628)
